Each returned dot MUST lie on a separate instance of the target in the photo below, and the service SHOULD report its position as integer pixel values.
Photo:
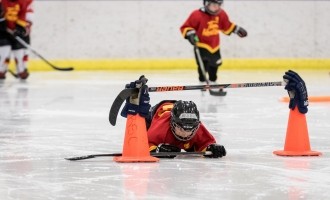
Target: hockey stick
(12, 73)
(124, 94)
(26, 45)
(201, 65)
(162, 154)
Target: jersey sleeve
(225, 25)
(30, 11)
(191, 23)
(25, 13)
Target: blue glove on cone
(138, 103)
(297, 91)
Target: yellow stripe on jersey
(208, 47)
(22, 23)
(165, 108)
(230, 30)
(184, 32)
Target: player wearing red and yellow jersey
(202, 30)
(165, 130)
(207, 27)
(15, 16)
(172, 125)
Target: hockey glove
(20, 31)
(241, 32)
(3, 24)
(297, 91)
(217, 151)
(167, 148)
(192, 37)
(138, 103)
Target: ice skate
(23, 75)
(2, 75)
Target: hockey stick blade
(12, 73)
(219, 93)
(92, 156)
(62, 68)
(161, 154)
(122, 96)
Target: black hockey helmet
(214, 1)
(184, 120)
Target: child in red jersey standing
(15, 16)
(202, 29)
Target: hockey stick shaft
(20, 40)
(27, 46)
(201, 66)
(124, 94)
(199, 87)
(12, 73)
(151, 153)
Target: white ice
(54, 115)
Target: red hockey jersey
(160, 132)
(16, 12)
(207, 28)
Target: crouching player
(172, 125)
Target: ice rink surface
(54, 115)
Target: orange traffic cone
(297, 139)
(136, 148)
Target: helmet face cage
(183, 134)
(184, 120)
(208, 2)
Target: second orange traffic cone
(136, 147)
(297, 139)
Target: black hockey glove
(3, 24)
(241, 32)
(138, 103)
(217, 151)
(192, 37)
(167, 148)
(20, 31)
(297, 91)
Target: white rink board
(150, 29)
